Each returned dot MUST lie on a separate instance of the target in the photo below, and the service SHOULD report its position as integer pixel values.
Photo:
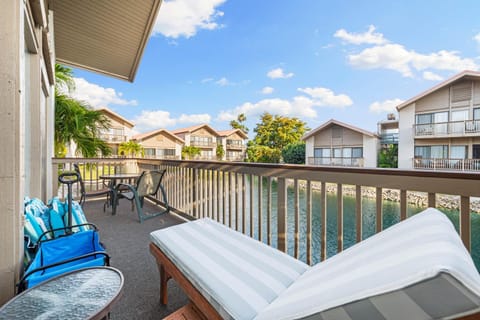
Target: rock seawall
(414, 198)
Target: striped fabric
(417, 269)
(239, 276)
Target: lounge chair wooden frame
(168, 270)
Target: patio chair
(147, 184)
(94, 193)
(416, 269)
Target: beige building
(234, 144)
(440, 128)
(201, 136)
(335, 143)
(34, 35)
(160, 144)
(120, 130)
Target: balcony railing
(236, 146)
(207, 144)
(168, 157)
(389, 138)
(338, 161)
(113, 137)
(447, 164)
(253, 198)
(451, 129)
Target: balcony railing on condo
(201, 143)
(169, 157)
(389, 138)
(235, 144)
(337, 161)
(255, 198)
(452, 128)
(447, 164)
(113, 137)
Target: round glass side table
(81, 294)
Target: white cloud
(369, 37)
(206, 80)
(267, 90)
(183, 18)
(98, 96)
(279, 74)
(385, 106)
(326, 97)
(151, 120)
(300, 106)
(223, 82)
(393, 56)
(477, 38)
(396, 57)
(427, 75)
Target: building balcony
(235, 146)
(256, 199)
(338, 161)
(203, 144)
(449, 164)
(389, 138)
(465, 128)
(113, 138)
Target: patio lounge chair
(416, 269)
(147, 184)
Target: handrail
(230, 192)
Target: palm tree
(76, 121)
(130, 148)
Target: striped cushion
(417, 269)
(239, 276)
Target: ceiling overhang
(106, 37)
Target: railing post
(465, 221)
(282, 214)
(195, 192)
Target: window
(347, 152)
(458, 152)
(357, 152)
(476, 114)
(321, 152)
(429, 152)
(337, 152)
(149, 152)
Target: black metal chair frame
(131, 193)
(84, 194)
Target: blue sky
(208, 60)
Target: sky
(209, 60)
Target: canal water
(391, 215)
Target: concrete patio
(126, 241)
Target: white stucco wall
(309, 149)
(370, 150)
(406, 141)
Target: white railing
(452, 128)
(337, 161)
(447, 164)
(253, 198)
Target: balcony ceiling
(106, 36)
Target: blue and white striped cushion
(239, 276)
(417, 269)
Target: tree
(273, 134)
(257, 153)
(294, 153)
(75, 121)
(220, 152)
(131, 148)
(190, 152)
(388, 157)
(240, 123)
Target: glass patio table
(87, 293)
